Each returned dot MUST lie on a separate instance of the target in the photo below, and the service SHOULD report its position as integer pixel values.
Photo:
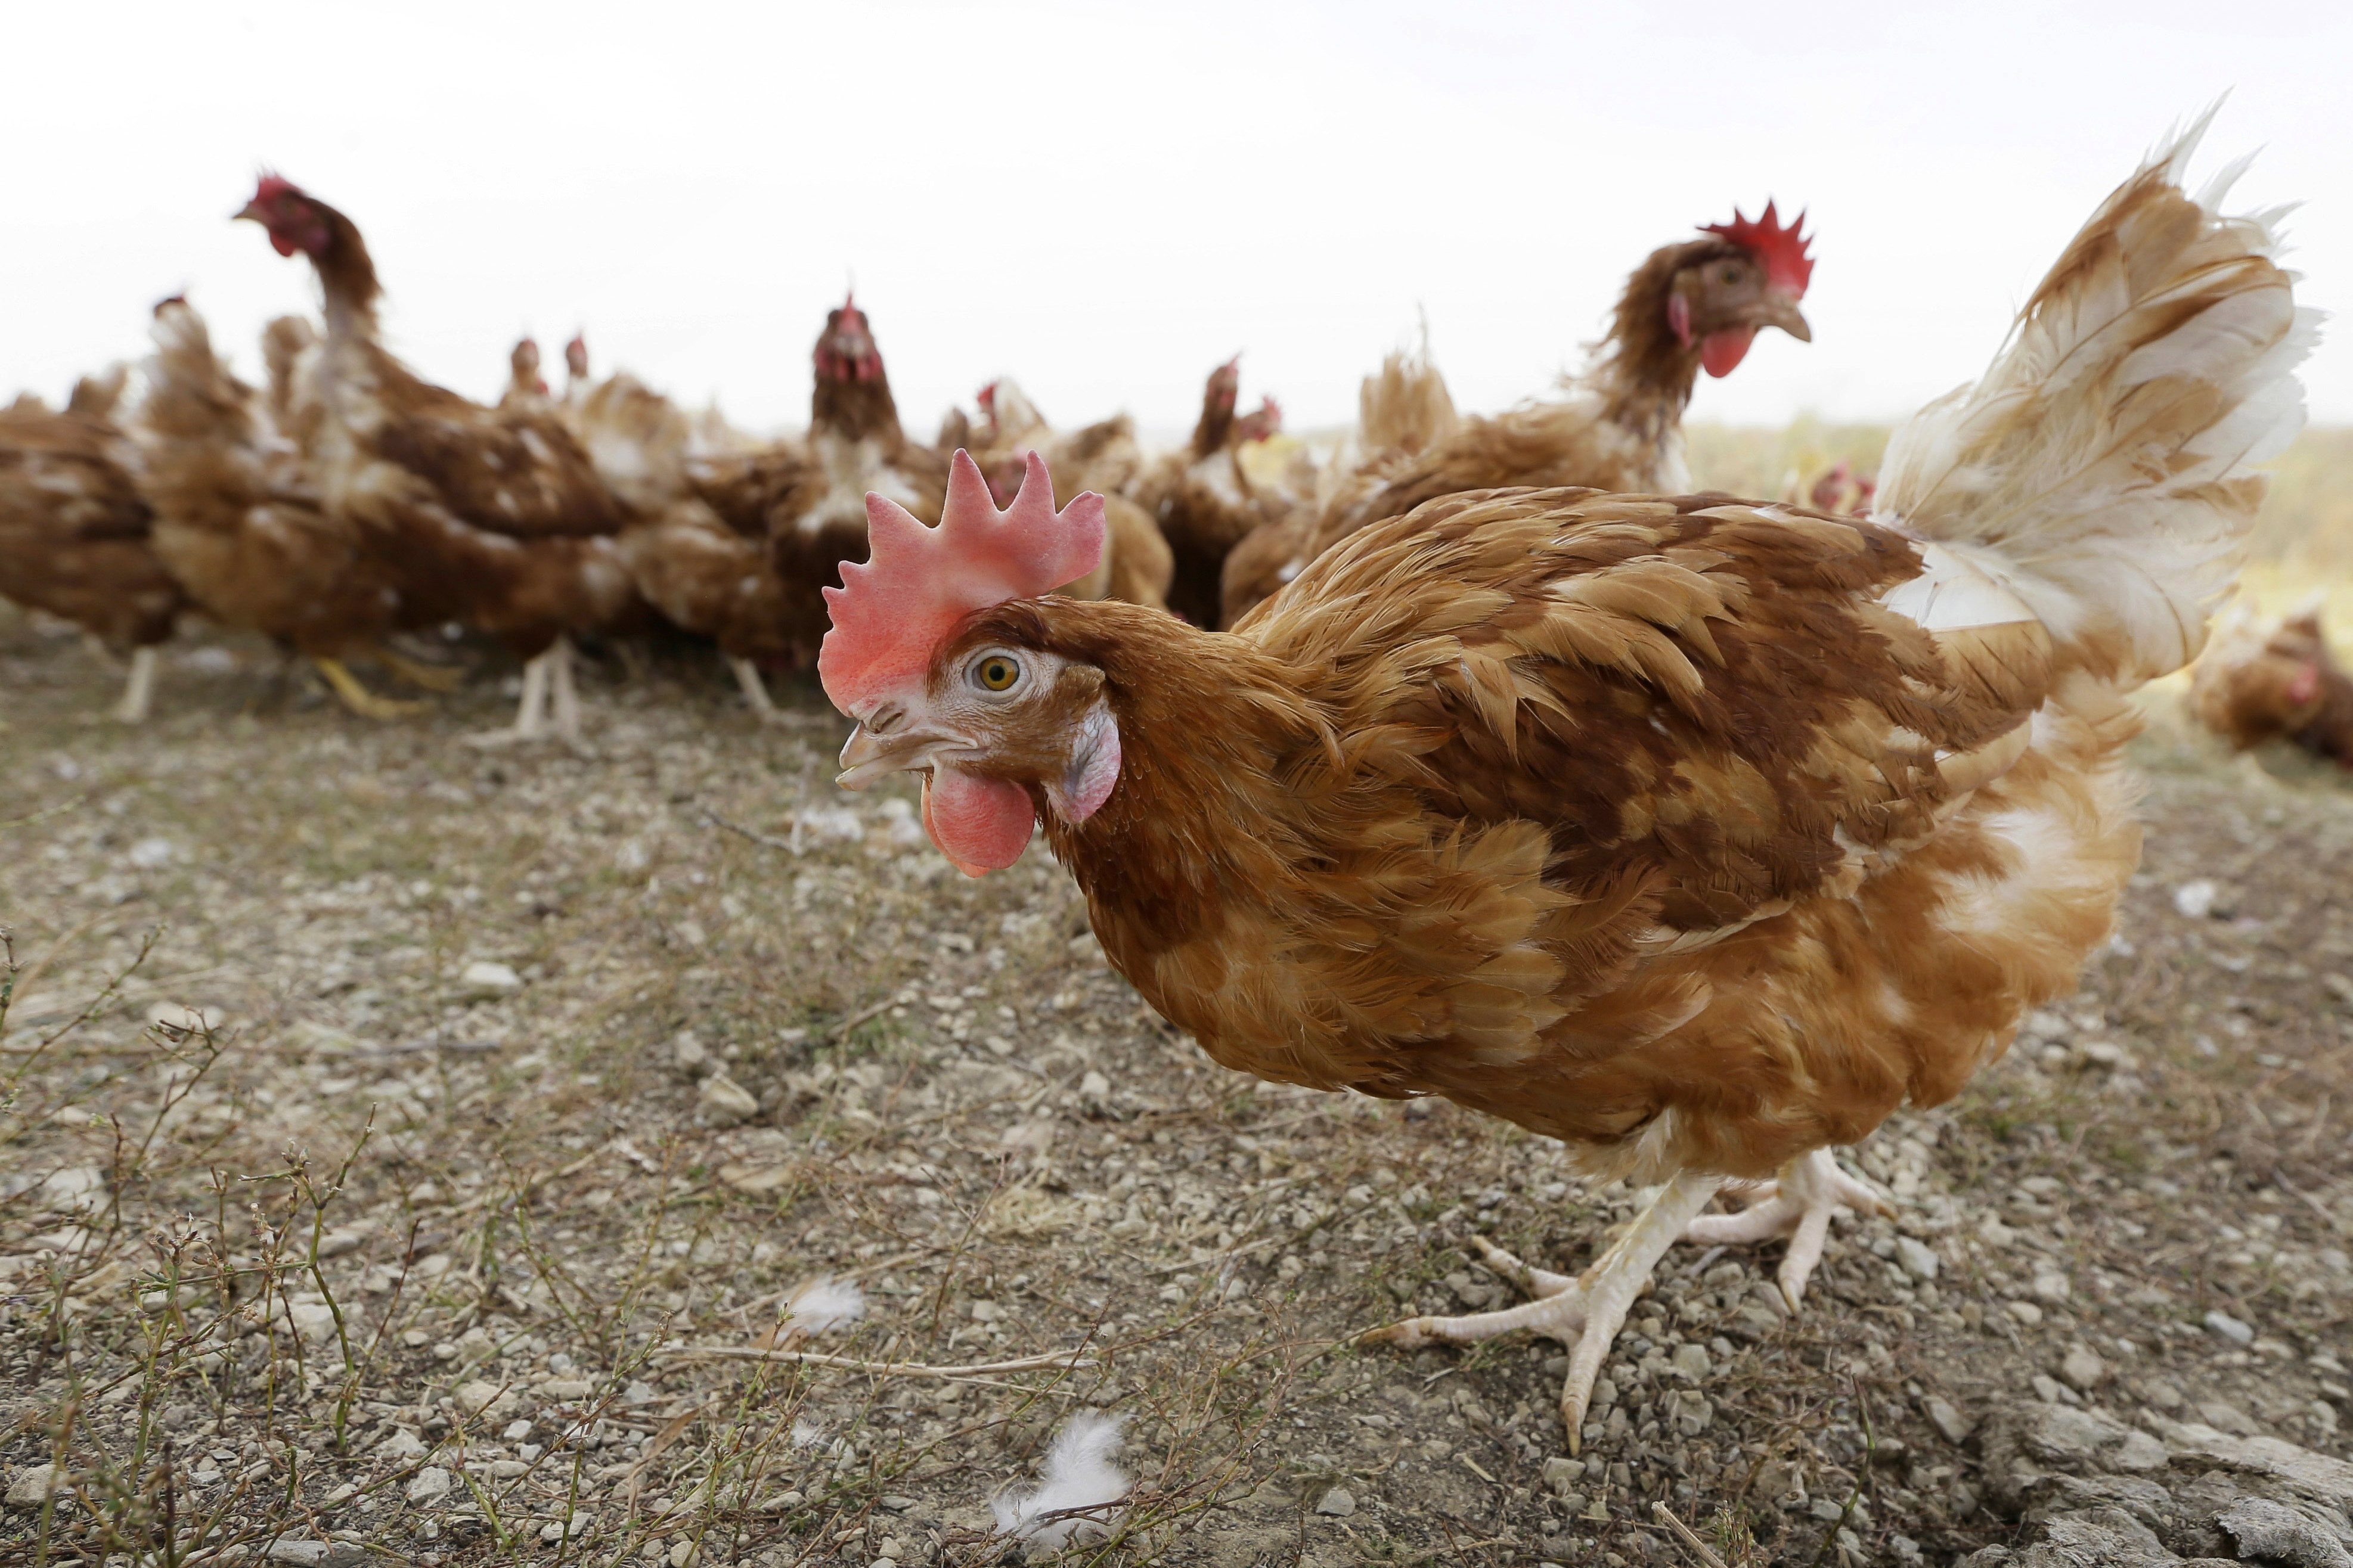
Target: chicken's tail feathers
(2103, 468)
(1405, 406)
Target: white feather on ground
(1078, 1474)
(823, 1303)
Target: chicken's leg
(565, 700)
(755, 690)
(138, 688)
(1583, 1313)
(358, 698)
(1800, 1206)
(530, 713)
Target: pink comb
(918, 583)
(1782, 250)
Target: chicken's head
(996, 727)
(1264, 425)
(845, 350)
(1752, 277)
(523, 366)
(1224, 389)
(576, 357)
(292, 218)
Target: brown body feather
(76, 536)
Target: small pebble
(2231, 1327)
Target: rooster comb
(1782, 250)
(917, 583)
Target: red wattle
(1721, 353)
(980, 824)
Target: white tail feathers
(2102, 470)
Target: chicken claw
(416, 672)
(358, 698)
(1799, 1204)
(1583, 1313)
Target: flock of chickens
(350, 500)
(1696, 833)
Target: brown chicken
(1690, 307)
(76, 534)
(854, 446)
(2260, 683)
(1136, 565)
(239, 525)
(1202, 497)
(492, 517)
(1698, 834)
(701, 573)
(526, 388)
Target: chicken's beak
(250, 213)
(868, 757)
(1780, 310)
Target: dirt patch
(396, 1129)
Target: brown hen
(1203, 498)
(76, 534)
(493, 517)
(1699, 834)
(2259, 683)
(1689, 307)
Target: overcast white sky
(1105, 200)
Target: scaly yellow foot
(431, 677)
(359, 699)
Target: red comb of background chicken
(918, 583)
(274, 187)
(1782, 250)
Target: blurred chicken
(1699, 835)
(76, 537)
(854, 446)
(1105, 458)
(239, 525)
(492, 517)
(703, 575)
(526, 388)
(1690, 307)
(1202, 496)
(1835, 489)
(1403, 411)
(2262, 681)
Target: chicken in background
(1694, 306)
(76, 537)
(238, 524)
(854, 446)
(1403, 411)
(1136, 565)
(1836, 489)
(2261, 681)
(526, 388)
(708, 577)
(494, 518)
(1202, 496)
(1697, 833)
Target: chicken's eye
(1731, 275)
(996, 672)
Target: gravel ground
(418, 1150)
